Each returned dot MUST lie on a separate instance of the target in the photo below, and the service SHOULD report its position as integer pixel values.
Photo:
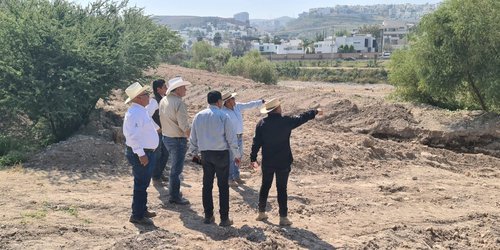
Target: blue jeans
(142, 177)
(161, 154)
(177, 148)
(234, 171)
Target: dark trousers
(215, 163)
(281, 184)
(161, 159)
(142, 177)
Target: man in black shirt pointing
(272, 134)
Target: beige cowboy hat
(228, 96)
(134, 90)
(175, 83)
(270, 106)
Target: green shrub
(12, 158)
(254, 67)
(58, 59)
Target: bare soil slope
(369, 174)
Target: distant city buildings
(393, 32)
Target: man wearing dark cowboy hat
(272, 134)
(141, 140)
(213, 135)
(233, 109)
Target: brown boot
(284, 221)
(261, 217)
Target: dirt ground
(368, 174)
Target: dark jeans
(215, 162)
(281, 184)
(142, 177)
(161, 159)
(177, 147)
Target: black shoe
(150, 214)
(226, 223)
(209, 220)
(180, 201)
(143, 221)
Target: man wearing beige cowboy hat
(141, 139)
(175, 129)
(233, 110)
(272, 134)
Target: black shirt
(156, 115)
(273, 135)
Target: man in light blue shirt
(233, 110)
(213, 135)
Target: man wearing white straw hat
(175, 129)
(141, 139)
(233, 110)
(272, 134)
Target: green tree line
(453, 60)
(58, 58)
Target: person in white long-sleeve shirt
(233, 109)
(141, 138)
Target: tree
(374, 30)
(217, 39)
(453, 59)
(58, 59)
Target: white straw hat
(175, 83)
(270, 106)
(134, 90)
(228, 96)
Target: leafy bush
(57, 59)
(453, 60)
(254, 67)
(205, 56)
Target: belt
(146, 150)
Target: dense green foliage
(454, 59)
(57, 58)
(294, 70)
(252, 66)
(205, 56)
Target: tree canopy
(57, 58)
(453, 59)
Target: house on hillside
(360, 42)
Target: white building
(266, 48)
(394, 34)
(326, 46)
(361, 43)
(291, 47)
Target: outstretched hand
(320, 111)
(254, 165)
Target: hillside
(308, 26)
(368, 174)
(180, 22)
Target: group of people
(157, 129)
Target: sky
(258, 9)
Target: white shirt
(235, 114)
(152, 106)
(139, 130)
